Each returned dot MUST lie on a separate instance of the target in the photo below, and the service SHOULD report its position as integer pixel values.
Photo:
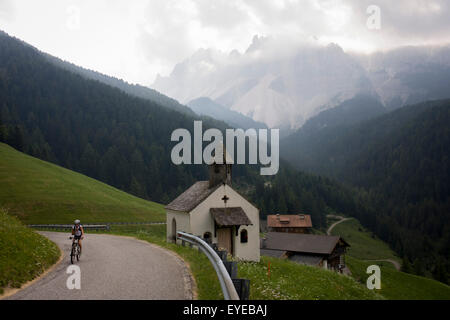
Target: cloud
(6, 10)
(176, 29)
(411, 17)
(404, 22)
(140, 38)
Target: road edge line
(8, 292)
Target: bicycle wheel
(72, 253)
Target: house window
(244, 236)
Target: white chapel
(215, 211)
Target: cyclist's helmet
(77, 221)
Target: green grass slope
(38, 192)
(291, 281)
(364, 244)
(24, 254)
(397, 285)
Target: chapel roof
(227, 217)
(192, 197)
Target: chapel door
(225, 240)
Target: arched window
(244, 236)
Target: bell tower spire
(220, 170)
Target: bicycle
(76, 250)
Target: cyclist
(78, 232)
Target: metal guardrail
(228, 289)
(69, 226)
(99, 226)
(133, 223)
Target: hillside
(364, 244)
(207, 107)
(291, 281)
(316, 146)
(397, 285)
(367, 249)
(90, 127)
(39, 192)
(24, 254)
(102, 132)
(399, 163)
(132, 89)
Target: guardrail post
(232, 268)
(222, 254)
(242, 288)
(228, 288)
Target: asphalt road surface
(113, 267)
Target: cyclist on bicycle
(78, 232)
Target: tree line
(123, 140)
(398, 166)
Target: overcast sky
(135, 40)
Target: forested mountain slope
(207, 107)
(132, 89)
(400, 162)
(124, 141)
(316, 146)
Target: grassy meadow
(366, 249)
(397, 285)
(364, 244)
(24, 254)
(38, 192)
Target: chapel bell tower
(220, 173)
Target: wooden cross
(225, 199)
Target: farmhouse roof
(305, 243)
(273, 253)
(230, 216)
(192, 197)
(308, 259)
(296, 221)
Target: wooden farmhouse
(214, 211)
(300, 223)
(327, 252)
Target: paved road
(336, 223)
(114, 268)
(396, 264)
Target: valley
(113, 129)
